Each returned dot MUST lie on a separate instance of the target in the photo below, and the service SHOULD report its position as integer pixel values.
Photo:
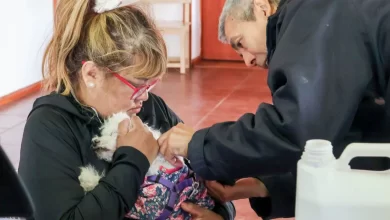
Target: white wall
(196, 29)
(29, 27)
(174, 12)
(26, 24)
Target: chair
(181, 28)
(15, 200)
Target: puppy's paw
(104, 154)
(89, 178)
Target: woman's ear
(262, 8)
(91, 75)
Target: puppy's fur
(105, 146)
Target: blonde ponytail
(115, 39)
(68, 24)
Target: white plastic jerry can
(328, 189)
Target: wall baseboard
(196, 60)
(19, 94)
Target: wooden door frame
(201, 27)
(197, 59)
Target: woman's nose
(143, 97)
(249, 59)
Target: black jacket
(57, 142)
(327, 62)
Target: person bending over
(328, 73)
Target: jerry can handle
(362, 150)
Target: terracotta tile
(9, 121)
(239, 105)
(244, 211)
(232, 109)
(212, 119)
(209, 64)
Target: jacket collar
(272, 30)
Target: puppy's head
(105, 144)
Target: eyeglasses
(138, 91)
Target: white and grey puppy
(105, 146)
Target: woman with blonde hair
(103, 58)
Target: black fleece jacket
(57, 142)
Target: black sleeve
(384, 36)
(50, 165)
(317, 77)
(281, 200)
(375, 15)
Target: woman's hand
(200, 213)
(137, 136)
(243, 189)
(175, 142)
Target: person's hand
(243, 189)
(200, 213)
(135, 134)
(175, 142)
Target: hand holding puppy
(134, 134)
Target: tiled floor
(211, 93)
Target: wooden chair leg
(188, 46)
(183, 52)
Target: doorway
(212, 48)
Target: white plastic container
(328, 189)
